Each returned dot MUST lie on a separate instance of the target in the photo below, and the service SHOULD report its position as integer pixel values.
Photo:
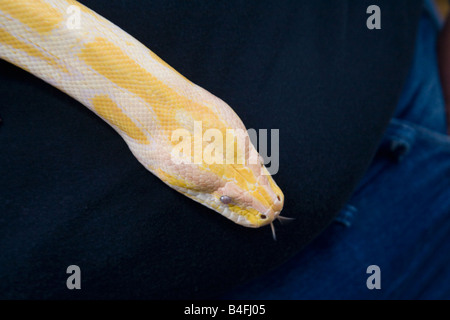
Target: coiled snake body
(143, 99)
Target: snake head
(244, 193)
(249, 196)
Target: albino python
(142, 98)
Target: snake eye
(225, 199)
(263, 216)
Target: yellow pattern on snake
(143, 99)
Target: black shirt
(72, 193)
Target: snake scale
(144, 100)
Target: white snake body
(141, 97)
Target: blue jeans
(399, 216)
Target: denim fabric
(422, 101)
(399, 216)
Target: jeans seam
(421, 131)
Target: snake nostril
(279, 198)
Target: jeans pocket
(405, 147)
(397, 142)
